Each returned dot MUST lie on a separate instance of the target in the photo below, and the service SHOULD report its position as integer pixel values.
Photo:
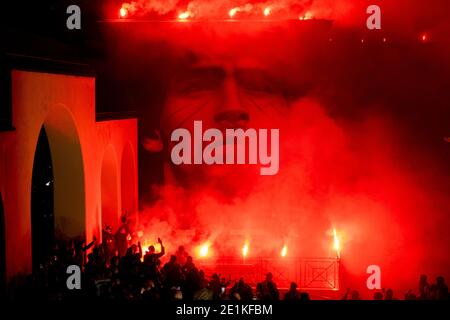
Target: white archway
(110, 205)
(128, 180)
(68, 172)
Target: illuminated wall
(93, 162)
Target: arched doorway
(42, 204)
(57, 197)
(68, 171)
(110, 189)
(128, 181)
(2, 250)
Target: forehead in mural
(230, 75)
(280, 42)
(154, 53)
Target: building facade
(93, 158)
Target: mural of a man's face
(223, 93)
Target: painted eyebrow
(202, 70)
(219, 72)
(263, 73)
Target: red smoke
(220, 9)
(352, 153)
(341, 175)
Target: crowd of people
(114, 270)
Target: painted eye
(199, 80)
(258, 82)
(196, 85)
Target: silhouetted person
(355, 295)
(241, 291)
(441, 289)
(304, 296)
(150, 291)
(182, 255)
(107, 246)
(216, 286)
(172, 273)
(188, 266)
(99, 259)
(191, 279)
(410, 295)
(79, 251)
(204, 293)
(293, 294)
(377, 296)
(121, 236)
(389, 295)
(267, 290)
(113, 268)
(151, 260)
(351, 295)
(424, 288)
(224, 283)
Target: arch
(128, 180)
(68, 172)
(110, 189)
(42, 202)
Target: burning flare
(184, 15)
(247, 8)
(336, 244)
(284, 251)
(204, 250)
(306, 16)
(245, 250)
(123, 12)
(424, 37)
(233, 12)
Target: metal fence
(308, 273)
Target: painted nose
(231, 114)
(232, 118)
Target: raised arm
(85, 248)
(163, 250)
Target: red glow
(424, 37)
(267, 11)
(367, 197)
